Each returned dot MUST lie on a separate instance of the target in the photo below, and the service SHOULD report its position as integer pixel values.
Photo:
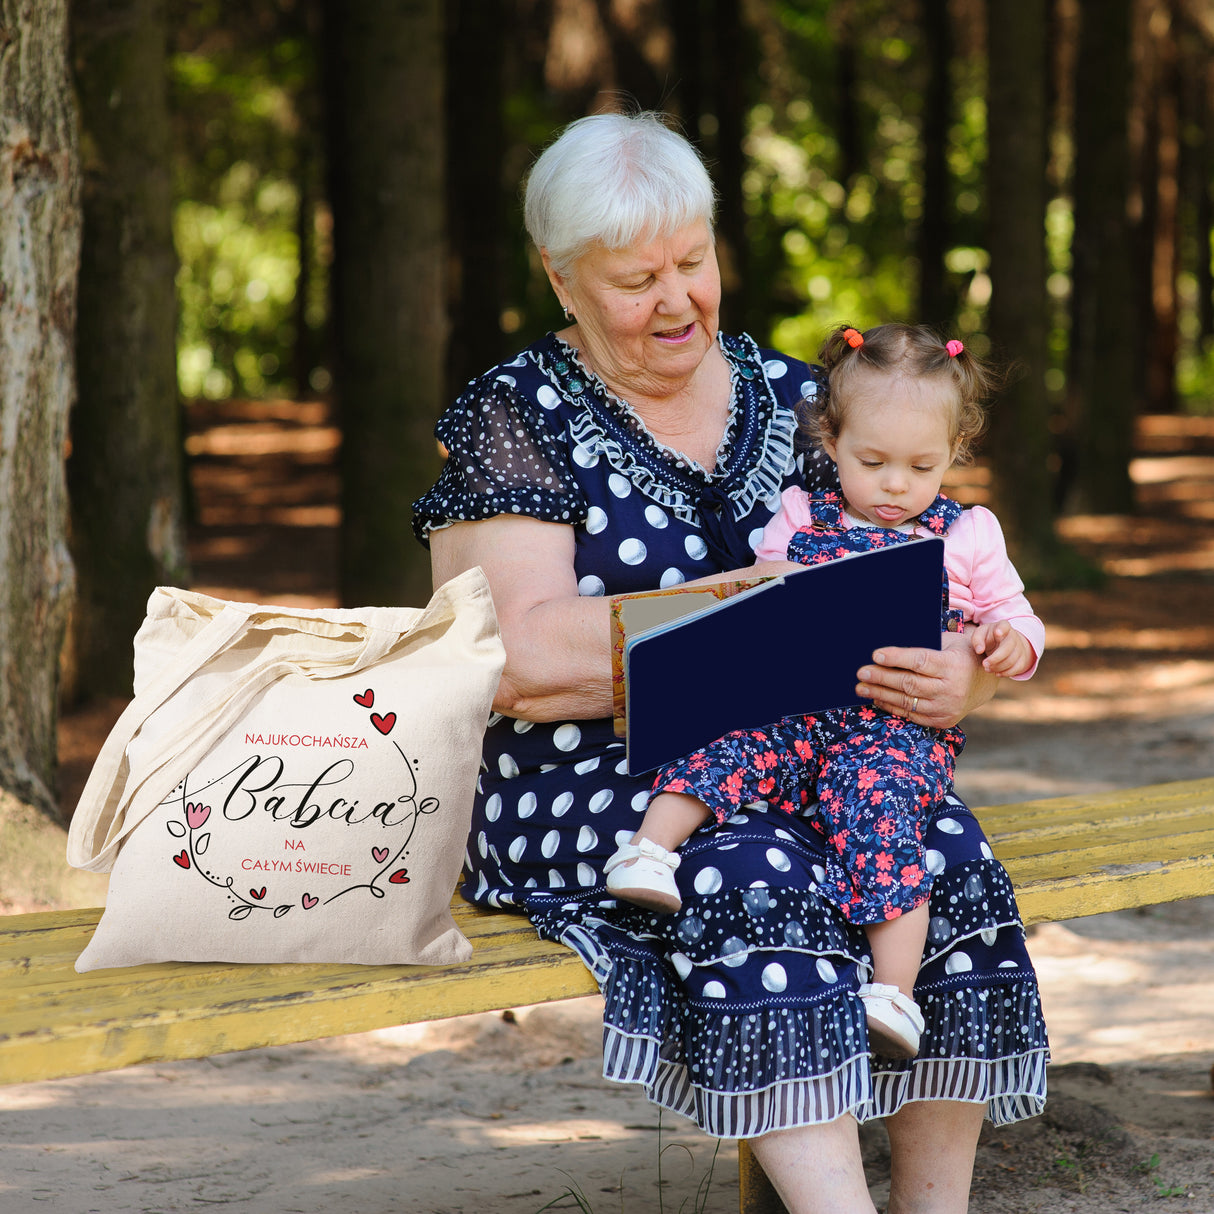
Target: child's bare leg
(672, 818)
(894, 1019)
(643, 871)
(897, 948)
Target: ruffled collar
(756, 452)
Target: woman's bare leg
(932, 1147)
(816, 1169)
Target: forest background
(312, 200)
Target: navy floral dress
(740, 1011)
(873, 775)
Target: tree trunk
(384, 86)
(734, 68)
(1019, 441)
(1163, 331)
(937, 303)
(125, 475)
(39, 258)
(1103, 362)
(476, 149)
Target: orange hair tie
(853, 338)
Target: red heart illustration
(183, 860)
(380, 854)
(366, 699)
(308, 901)
(258, 893)
(383, 724)
(399, 878)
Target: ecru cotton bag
(291, 785)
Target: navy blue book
(787, 646)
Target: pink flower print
(877, 796)
(766, 784)
(766, 760)
(886, 827)
(912, 876)
(867, 778)
(882, 877)
(867, 713)
(678, 784)
(884, 861)
(804, 749)
(788, 807)
(732, 787)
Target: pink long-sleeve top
(982, 581)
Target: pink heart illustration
(366, 699)
(309, 901)
(196, 815)
(383, 724)
(380, 854)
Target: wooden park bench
(1067, 856)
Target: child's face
(893, 449)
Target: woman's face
(646, 315)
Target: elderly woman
(638, 448)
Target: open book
(695, 662)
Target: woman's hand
(937, 688)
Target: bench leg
(755, 1192)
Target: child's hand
(1007, 652)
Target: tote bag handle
(100, 824)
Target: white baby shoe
(894, 1021)
(644, 873)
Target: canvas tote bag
(291, 785)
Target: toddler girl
(902, 406)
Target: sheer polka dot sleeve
(502, 458)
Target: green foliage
(244, 83)
(1162, 1188)
(236, 286)
(835, 189)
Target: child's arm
(984, 583)
(1007, 652)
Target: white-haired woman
(640, 448)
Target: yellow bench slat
(1067, 856)
(57, 1022)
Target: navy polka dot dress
(740, 1010)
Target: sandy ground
(508, 1114)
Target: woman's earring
(568, 314)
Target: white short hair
(614, 180)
